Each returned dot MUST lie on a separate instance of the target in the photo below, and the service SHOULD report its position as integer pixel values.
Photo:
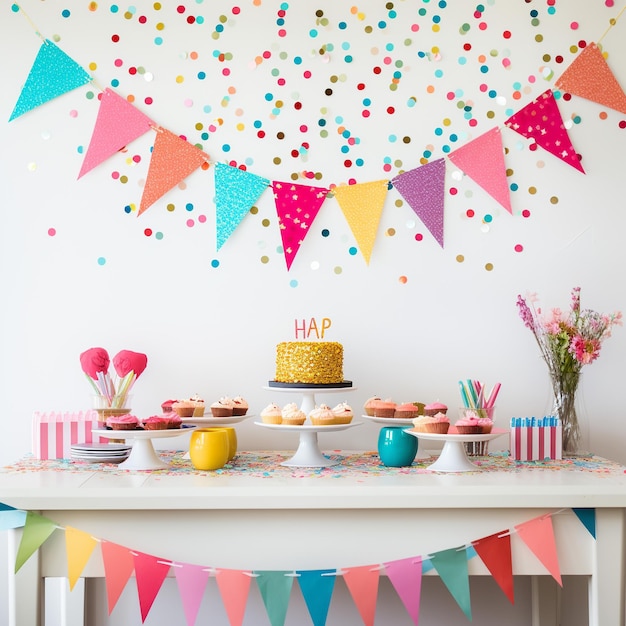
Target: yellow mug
(209, 448)
(232, 439)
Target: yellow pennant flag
(78, 545)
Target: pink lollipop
(93, 361)
(127, 361)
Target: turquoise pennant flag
(53, 73)
(451, 565)
(588, 519)
(275, 588)
(10, 517)
(317, 589)
(36, 530)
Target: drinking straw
(473, 394)
(493, 395)
(464, 395)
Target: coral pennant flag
(275, 588)
(424, 188)
(36, 530)
(297, 206)
(172, 160)
(53, 73)
(590, 77)
(150, 572)
(588, 519)
(538, 535)
(191, 581)
(406, 577)
(234, 586)
(11, 517)
(117, 124)
(78, 546)
(317, 589)
(541, 120)
(451, 565)
(362, 206)
(118, 566)
(482, 159)
(495, 553)
(362, 582)
(236, 191)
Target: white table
(320, 523)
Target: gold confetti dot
(460, 258)
(390, 232)
(265, 259)
(554, 200)
(532, 190)
(489, 266)
(265, 222)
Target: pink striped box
(54, 433)
(536, 443)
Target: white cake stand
(308, 394)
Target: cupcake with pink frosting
(123, 422)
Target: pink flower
(585, 351)
(127, 361)
(93, 361)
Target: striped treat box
(535, 439)
(54, 433)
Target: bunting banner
(541, 121)
(118, 567)
(538, 535)
(150, 572)
(362, 205)
(588, 519)
(406, 577)
(362, 582)
(451, 565)
(52, 74)
(590, 77)
(78, 545)
(495, 552)
(275, 587)
(482, 159)
(192, 581)
(423, 188)
(234, 587)
(236, 191)
(317, 590)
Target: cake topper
(312, 328)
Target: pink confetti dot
(387, 167)
(148, 232)
(453, 191)
(282, 32)
(115, 175)
(506, 62)
(267, 54)
(52, 232)
(483, 87)
(226, 72)
(622, 124)
(137, 158)
(419, 237)
(307, 74)
(202, 219)
(148, 100)
(519, 247)
(188, 102)
(365, 113)
(303, 128)
(609, 3)
(450, 95)
(118, 62)
(142, 19)
(415, 27)
(574, 25)
(473, 122)
(73, 113)
(190, 223)
(387, 60)
(236, 10)
(180, 8)
(281, 82)
(482, 25)
(525, 213)
(470, 213)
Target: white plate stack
(100, 452)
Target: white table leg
(546, 601)
(64, 607)
(25, 589)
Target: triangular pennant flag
(424, 189)
(482, 159)
(150, 572)
(118, 123)
(78, 546)
(118, 566)
(590, 77)
(317, 590)
(235, 192)
(275, 588)
(362, 206)
(451, 565)
(541, 120)
(191, 581)
(538, 535)
(297, 206)
(495, 553)
(172, 160)
(234, 586)
(362, 583)
(6, 507)
(12, 518)
(586, 516)
(406, 577)
(36, 530)
(53, 73)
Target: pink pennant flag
(362, 582)
(297, 206)
(406, 577)
(118, 123)
(150, 572)
(495, 553)
(79, 545)
(118, 567)
(538, 535)
(234, 586)
(423, 188)
(191, 581)
(482, 159)
(541, 120)
(172, 160)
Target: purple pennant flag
(191, 581)
(406, 577)
(451, 565)
(423, 189)
(317, 589)
(275, 588)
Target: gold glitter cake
(310, 362)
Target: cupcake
(343, 413)
(240, 406)
(123, 422)
(384, 408)
(434, 408)
(156, 422)
(436, 424)
(407, 410)
(322, 415)
(468, 424)
(166, 406)
(183, 408)
(271, 414)
(173, 420)
(292, 415)
(369, 406)
(198, 405)
(222, 407)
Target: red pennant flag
(234, 586)
(78, 545)
(423, 188)
(590, 77)
(406, 577)
(495, 553)
(541, 120)
(150, 572)
(297, 206)
(191, 581)
(362, 582)
(482, 159)
(118, 123)
(118, 567)
(538, 535)
(172, 160)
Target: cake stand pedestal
(308, 393)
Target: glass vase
(566, 407)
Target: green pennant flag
(36, 530)
(451, 565)
(275, 588)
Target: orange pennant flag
(172, 160)
(234, 586)
(495, 553)
(362, 583)
(118, 567)
(538, 535)
(362, 206)
(590, 77)
(78, 545)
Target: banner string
(612, 22)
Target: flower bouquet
(567, 341)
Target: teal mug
(395, 447)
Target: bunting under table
(258, 515)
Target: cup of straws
(479, 408)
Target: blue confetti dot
(359, 162)
(297, 60)
(352, 250)
(348, 58)
(158, 41)
(342, 26)
(65, 13)
(382, 24)
(514, 187)
(313, 33)
(488, 218)
(201, 75)
(115, 83)
(226, 148)
(101, 260)
(189, 206)
(293, 283)
(219, 28)
(158, 236)
(200, 19)
(484, 69)
(325, 232)
(392, 139)
(114, 8)
(269, 97)
(215, 263)
(128, 209)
